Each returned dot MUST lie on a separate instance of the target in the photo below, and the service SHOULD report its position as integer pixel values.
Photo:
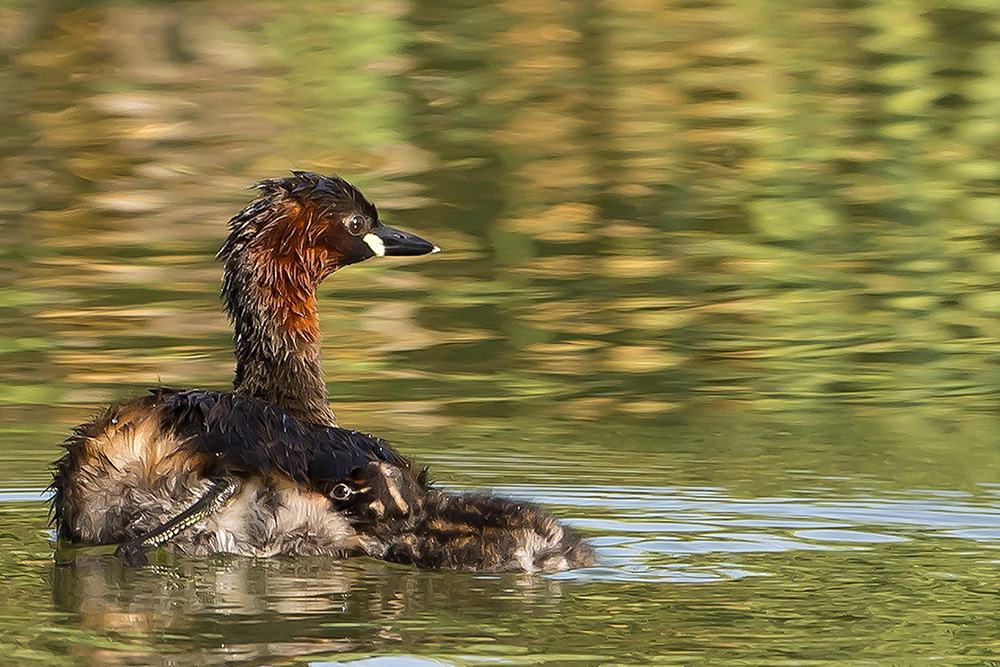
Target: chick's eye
(355, 224)
(341, 492)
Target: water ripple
(680, 535)
(691, 534)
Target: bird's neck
(273, 310)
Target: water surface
(719, 289)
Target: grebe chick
(235, 465)
(398, 517)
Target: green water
(719, 287)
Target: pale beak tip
(436, 249)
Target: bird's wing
(248, 434)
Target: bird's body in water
(399, 518)
(255, 471)
(146, 460)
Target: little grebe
(398, 517)
(235, 464)
(264, 469)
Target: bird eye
(355, 224)
(341, 492)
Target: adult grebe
(235, 463)
(264, 470)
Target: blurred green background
(740, 248)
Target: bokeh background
(719, 287)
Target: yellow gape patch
(375, 243)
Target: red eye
(355, 224)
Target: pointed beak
(387, 241)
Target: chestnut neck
(272, 304)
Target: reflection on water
(676, 563)
(719, 286)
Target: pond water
(719, 288)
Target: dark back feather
(247, 434)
